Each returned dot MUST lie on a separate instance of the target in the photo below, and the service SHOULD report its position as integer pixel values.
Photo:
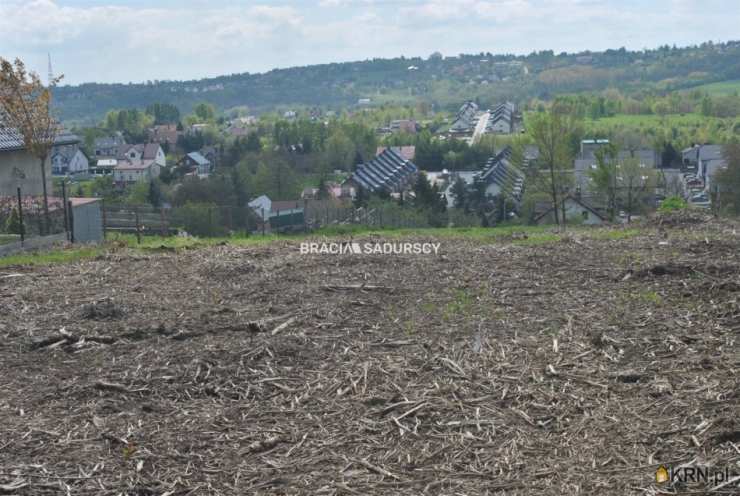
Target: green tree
(241, 178)
(155, 194)
(636, 183)
(460, 194)
(727, 192)
(164, 113)
(339, 151)
(103, 187)
(323, 190)
(361, 197)
(25, 105)
(253, 143)
(13, 223)
(200, 219)
(604, 177)
(278, 180)
(138, 193)
(205, 112)
(553, 132)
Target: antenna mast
(51, 72)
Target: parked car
(694, 183)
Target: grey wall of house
(11, 163)
(88, 223)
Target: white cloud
(114, 41)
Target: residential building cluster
(471, 123)
(388, 172)
(127, 163)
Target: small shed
(87, 220)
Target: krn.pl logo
(661, 475)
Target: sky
(134, 41)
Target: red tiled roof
(126, 165)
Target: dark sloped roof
(150, 151)
(387, 171)
(500, 171)
(124, 149)
(11, 139)
(464, 117)
(68, 152)
(109, 141)
(198, 158)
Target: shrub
(13, 223)
(200, 219)
(672, 203)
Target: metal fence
(386, 215)
(197, 219)
(207, 220)
(25, 217)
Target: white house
(103, 167)
(132, 172)
(136, 163)
(68, 160)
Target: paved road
(480, 128)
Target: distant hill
(442, 81)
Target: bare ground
(571, 367)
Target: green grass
(474, 233)
(177, 242)
(52, 256)
(460, 305)
(652, 120)
(517, 235)
(720, 89)
(312, 180)
(8, 238)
